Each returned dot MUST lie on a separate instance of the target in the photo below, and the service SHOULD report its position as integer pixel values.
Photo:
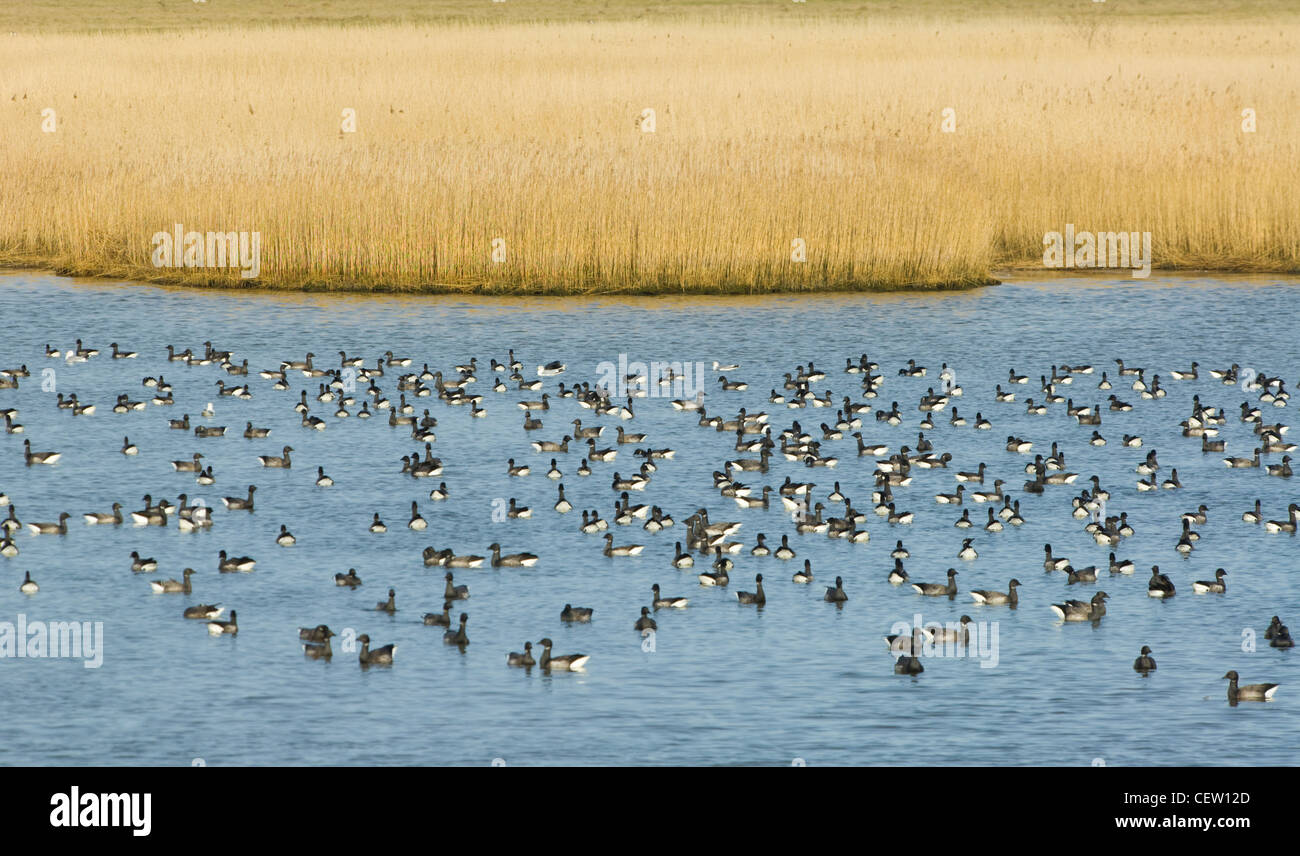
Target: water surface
(725, 684)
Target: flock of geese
(352, 389)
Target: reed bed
(767, 131)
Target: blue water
(724, 683)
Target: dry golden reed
(765, 132)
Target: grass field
(519, 126)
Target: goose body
(910, 643)
(948, 589)
(719, 576)
(515, 560)
(1160, 585)
(319, 648)
(234, 564)
(235, 503)
(141, 565)
(908, 665)
(757, 597)
(836, 593)
(216, 627)
(377, 656)
(623, 550)
(524, 659)
(577, 614)
(997, 597)
(282, 462)
(661, 602)
(1217, 585)
(389, 606)
(645, 622)
(959, 635)
(60, 528)
(1118, 566)
(97, 518)
(39, 457)
(1288, 525)
(173, 587)
(1079, 610)
(1250, 692)
(1144, 663)
(568, 662)
(458, 636)
(454, 592)
(443, 619)
(1081, 575)
(1241, 463)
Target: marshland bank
(820, 149)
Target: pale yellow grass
(766, 132)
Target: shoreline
(1001, 275)
(10, 265)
